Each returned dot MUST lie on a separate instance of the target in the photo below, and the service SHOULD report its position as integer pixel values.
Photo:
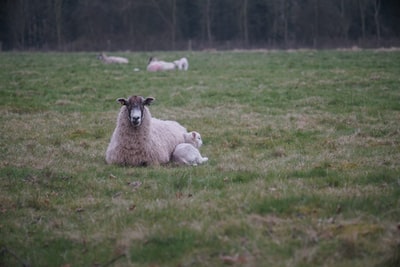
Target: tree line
(141, 25)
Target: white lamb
(182, 64)
(188, 152)
(139, 139)
(158, 65)
(155, 65)
(110, 60)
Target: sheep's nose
(135, 120)
(135, 116)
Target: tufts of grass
(303, 166)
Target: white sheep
(188, 152)
(158, 65)
(182, 64)
(110, 60)
(139, 139)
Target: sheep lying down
(155, 65)
(112, 60)
(139, 139)
(188, 153)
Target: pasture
(303, 170)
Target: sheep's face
(197, 139)
(135, 106)
(152, 59)
(101, 56)
(193, 138)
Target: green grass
(303, 148)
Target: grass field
(303, 148)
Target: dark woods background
(76, 25)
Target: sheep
(182, 64)
(158, 65)
(193, 138)
(110, 60)
(139, 139)
(188, 152)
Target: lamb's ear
(148, 101)
(123, 101)
(194, 135)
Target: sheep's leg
(205, 159)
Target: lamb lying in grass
(188, 153)
(111, 60)
(158, 65)
(139, 139)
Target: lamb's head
(152, 59)
(135, 106)
(101, 56)
(193, 138)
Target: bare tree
(58, 18)
(168, 12)
(362, 7)
(208, 18)
(316, 23)
(245, 22)
(344, 22)
(377, 7)
(173, 26)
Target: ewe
(139, 139)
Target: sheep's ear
(123, 101)
(148, 101)
(194, 135)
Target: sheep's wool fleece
(151, 143)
